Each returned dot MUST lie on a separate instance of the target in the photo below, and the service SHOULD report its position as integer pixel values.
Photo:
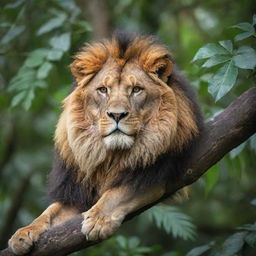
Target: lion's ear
(163, 68)
(158, 62)
(88, 61)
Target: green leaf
(227, 44)
(252, 141)
(199, 250)
(122, 241)
(52, 24)
(248, 227)
(12, 33)
(211, 177)
(245, 26)
(44, 70)
(245, 49)
(133, 242)
(22, 80)
(253, 202)
(61, 42)
(245, 60)
(28, 100)
(254, 19)
(244, 35)
(223, 80)
(18, 98)
(215, 60)
(85, 25)
(233, 244)
(54, 54)
(209, 50)
(251, 239)
(34, 60)
(14, 4)
(40, 84)
(173, 221)
(236, 151)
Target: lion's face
(120, 103)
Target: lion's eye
(103, 89)
(136, 89)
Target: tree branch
(226, 131)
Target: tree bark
(97, 13)
(226, 131)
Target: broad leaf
(54, 54)
(85, 25)
(227, 44)
(249, 227)
(233, 244)
(199, 250)
(14, 4)
(215, 60)
(52, 24)
(44, 70)
(40, 84)
(61, 42)
(223, 80)
(251, 239)
(245, 49)
(245, 26)
(252, 141)
(245, 60)
(28, 99)
(209, 50)
(253, 202)
(22, 80)
(18, 98)
(12, 33)
(34, 60)
(244, 35)
(236, 151)
(254, 19)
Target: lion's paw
(23, 239)
(97, 226)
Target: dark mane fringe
(63, 187)
(124, 39)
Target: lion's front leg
(105, 217)
(24, 238)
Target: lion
(126, 128)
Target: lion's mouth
(118, 131)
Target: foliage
(123, 246)
(58, 26)
(173, 221)
(243, 57)
(232, 246)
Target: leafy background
(213, 42)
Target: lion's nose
(117, 116)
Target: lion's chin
(118, 141)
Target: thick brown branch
(226, 131)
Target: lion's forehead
(114, 75)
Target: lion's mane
(83, 168)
